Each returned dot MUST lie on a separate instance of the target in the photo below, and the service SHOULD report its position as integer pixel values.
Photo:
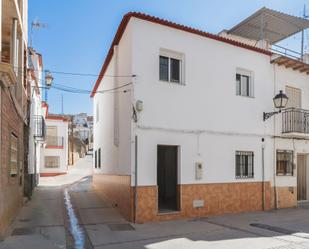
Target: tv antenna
(36, 24)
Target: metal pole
(303, 35)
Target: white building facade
(37, 130)
(184, 136)
(55, 156)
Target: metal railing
(286, 52)
(295, 120)
(54, 141)
(39, 127)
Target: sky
(79, 33)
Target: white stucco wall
(204, 116)
(207, 102)
(112, 106)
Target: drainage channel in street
(78, 238)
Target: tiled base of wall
(286, 197)
(52, 174)
(218, 199)
(117, 189)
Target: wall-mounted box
(198, 170)
(198, 203)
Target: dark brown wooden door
(301, 178)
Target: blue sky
(80, 32)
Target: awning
(269, 25)
(287, 62)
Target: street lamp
(48, 79)
(280, 101)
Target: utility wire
(84, 91)
(76, 74)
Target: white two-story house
(55, 154)
(179, 130)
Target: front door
(167, 163)
(301, 177)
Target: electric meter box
(198, 170)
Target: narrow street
(65, 212)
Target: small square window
(171, 67)
(244, 83)
(244, 161)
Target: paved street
(65, 212)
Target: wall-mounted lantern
(280, 101)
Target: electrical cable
(76, 74)
(84, 91)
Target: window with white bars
(244, 164)
(13, 154)
(52, 161)
(244, 83)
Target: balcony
(39, 128)
(53, 142)
(295, 120)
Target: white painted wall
(115, 111)
(34, 157)
(204, 117)
(62, 131)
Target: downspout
(263, 174)
(135, 180)
(274, 150)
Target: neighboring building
(186, 136)
(37, 131)
(13, 107)
(83, 128)
(55, 155)
(80, 119)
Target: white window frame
(250, 75)
(173, 55)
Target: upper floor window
(171, 67)
(244, 164)
(294, 95)
(244, 83)
(51, 131)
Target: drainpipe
(274, 150)
(263, 174)
(135, 179)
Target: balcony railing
(54, 142)
(39, 127)
(295, 120)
